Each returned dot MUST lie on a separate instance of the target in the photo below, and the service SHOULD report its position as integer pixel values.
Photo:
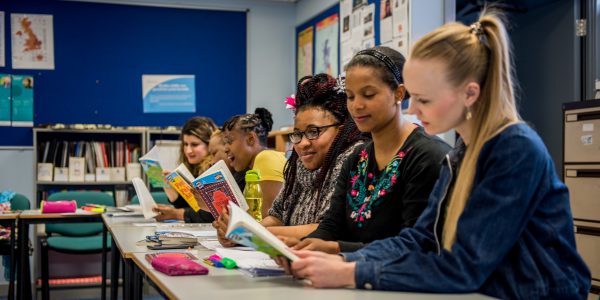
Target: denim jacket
(514, 239)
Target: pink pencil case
(63, 206)
(178, 266)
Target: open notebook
(146, 200)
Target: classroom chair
(18, 202)
(73, 238)
(159, 197)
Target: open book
(146, 200)
(244, 230)
(181, 180)
(163, 155)
(217, 186)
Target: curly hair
(261, 122)
(319, 91)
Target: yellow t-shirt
(270, 164)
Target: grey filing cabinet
(581, 173)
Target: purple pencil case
(63, 206)
(178, 266)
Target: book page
(146, 200)
(243, 229)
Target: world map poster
(32, 41)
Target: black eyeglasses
(311, 133)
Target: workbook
(181, 181)
(216, 187)
(163, 156)
(210, 191)
(245, 230)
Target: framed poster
(326, 46)
(305, 52)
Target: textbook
(181, 180)
(216, 187)
(245, 230)
(161, 156)
(146, 200)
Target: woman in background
(195, 139)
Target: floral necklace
(367, 189)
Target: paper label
(588, 127)
(587, 140)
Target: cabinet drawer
(588, 246)
(584, 189)
(582, 136)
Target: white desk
(231, 284)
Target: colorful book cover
(177, 182)
(153, 171)
(22, 100)
(5, 110)
(244, 230)
(215, 191)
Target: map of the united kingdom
(32, 41)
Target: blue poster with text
(169, 93)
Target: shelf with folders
(103, 159)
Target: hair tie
(476, 28)
(385, 60)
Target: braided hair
(261, 122)
(319, 91)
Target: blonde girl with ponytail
(498, 220)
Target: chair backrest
(19, 202)
(159, 198)
(82, 198)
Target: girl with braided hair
(324, 136)
(246, 139)
(498, 220)
(383, 187)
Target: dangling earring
(469, 114)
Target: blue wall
(102, 50)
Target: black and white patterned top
(302, 207)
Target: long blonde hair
(480, 53)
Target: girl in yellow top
(246, 136)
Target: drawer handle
(590, 173)
(588, 231)
(584, 116)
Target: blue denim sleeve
(509, 172)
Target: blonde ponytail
(481, 53)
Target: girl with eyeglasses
(498, 220)
(383, 187)
(324, 136)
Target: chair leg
(45, 271)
